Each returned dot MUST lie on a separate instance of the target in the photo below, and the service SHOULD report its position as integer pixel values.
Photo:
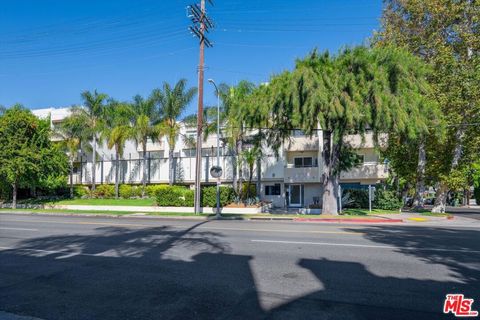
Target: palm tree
(250, 157)
(144, 117)
(172, 103)
(235, 101)
(72, 132)
(117, 132)
(94, 110)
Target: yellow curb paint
(418, 219)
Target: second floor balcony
(294, 174)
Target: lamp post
(218, 146)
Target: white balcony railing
(368, 171)
(300, 175)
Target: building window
(189, 152)
(304, 162)
(361, 158)
(274, 190)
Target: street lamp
(216, 172)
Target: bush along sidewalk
(177, 196)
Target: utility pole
(201, 25)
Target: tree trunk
(240, 168)
(94, 161)
(442, 192)
(71, 179)
(117, 165)
(330, 177)
(14, 195)
(234, 171)
(440, 199)
(259, 175)
(170, 166)
(420, 186)
(144, 178)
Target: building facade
(293, 179)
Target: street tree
(359, 90)
(446, 35)
(172, 102)
(27, 155)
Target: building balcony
(302, 143)
(301, 175)
(368, 171)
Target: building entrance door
(295, 195)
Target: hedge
(173, 196)
(209, 196)
(357, 198)
(177, 196)
(386, 200)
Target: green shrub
(137, 191)
(249, 192)
(80, 191)
(209, 196)
(386, 200)
(189, 198)
(355, 198)
(171, 196)
(476, 195)
(151, 189)
(125, 191)
(104, 191)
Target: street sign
(216, 171)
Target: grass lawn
(365, 212)
(147, 202)
(432, 214)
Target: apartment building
(293, 179)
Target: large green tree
(27, 155)
(172, 102)
(359, 90)
(446, 35)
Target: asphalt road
(471, 213)
(107, 268)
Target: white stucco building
(291, 180)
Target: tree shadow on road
(169, 273)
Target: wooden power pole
(201, 25)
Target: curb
(348, 220)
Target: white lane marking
(186, 227)
(18, 229)
(363, 246)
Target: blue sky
(51, 50)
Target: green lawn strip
(146, 202)
(365, 212)
(434, 214)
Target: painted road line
(18, 229)
(186, 227)
(363, 246)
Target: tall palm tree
(144, 117)
(117, 131)
(73, 133)
(94, 110)
(172, 103)
(235, 100)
